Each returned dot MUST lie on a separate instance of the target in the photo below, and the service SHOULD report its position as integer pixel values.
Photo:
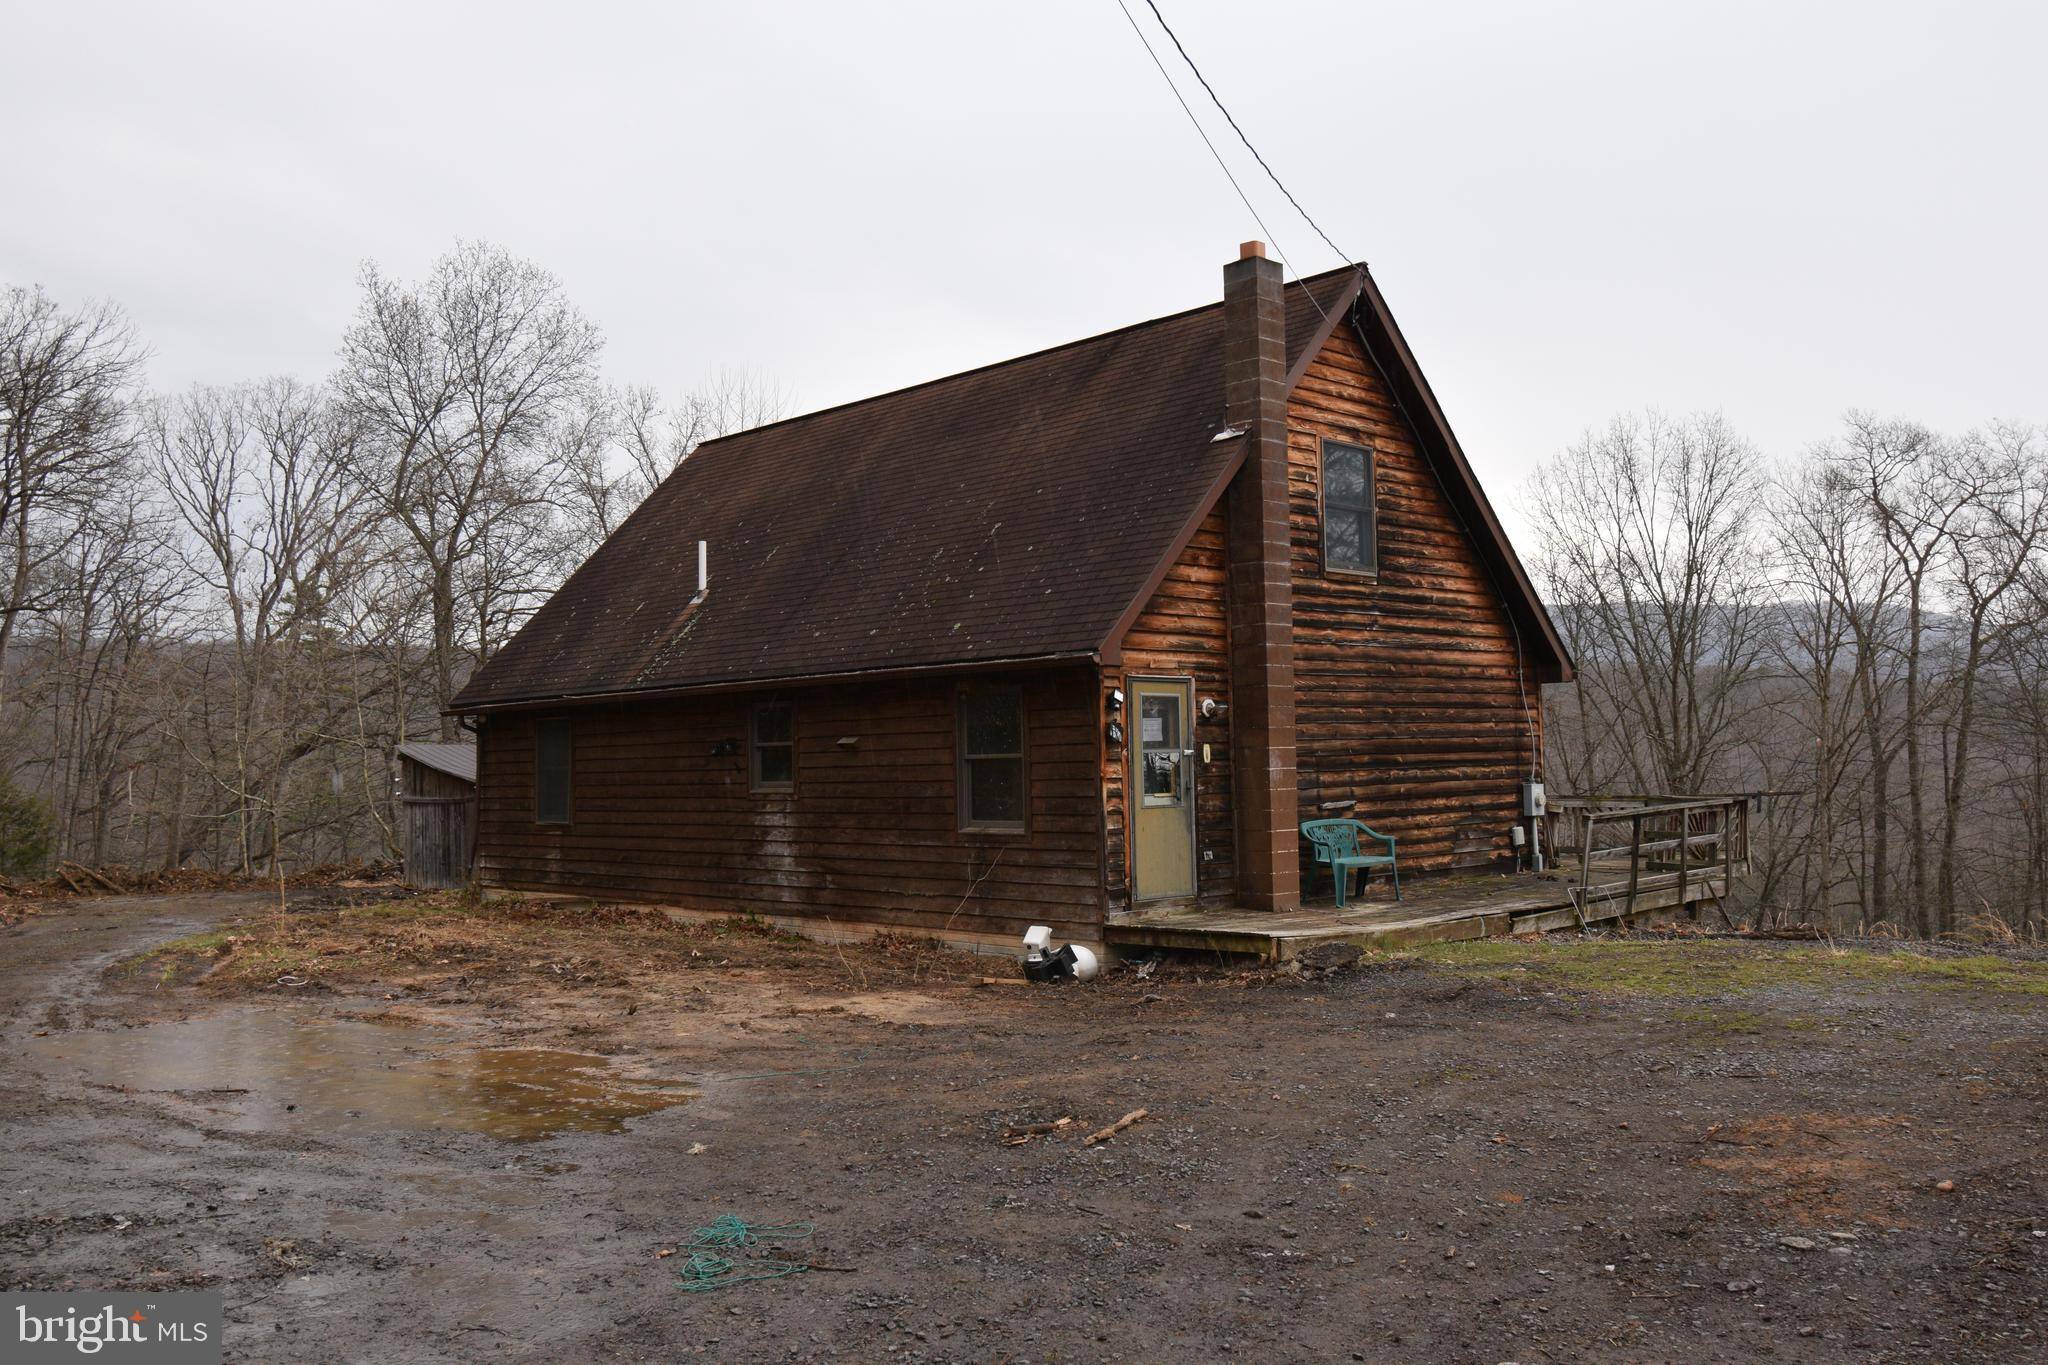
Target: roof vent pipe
(703, 569)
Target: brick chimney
(1261, 589)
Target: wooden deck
(1434, 910)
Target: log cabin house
(1056, 641)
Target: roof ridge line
(1299, 282)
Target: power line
(1342, 255)
(1218, 102)
(1204, 133)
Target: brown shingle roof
(1010, 512)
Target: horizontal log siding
(1183, 632)
(1406, 694)
(870, 833)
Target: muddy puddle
(260, 1070)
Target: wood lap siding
(1182, 632)
(1406, 693)
(870, 832)
(438, 825)
(1406, 698)
(420, 780)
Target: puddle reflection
(266, 1070)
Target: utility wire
(1217, 100)
(1222, 165)
(1344, 256)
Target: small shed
(437, 810)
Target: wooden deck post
(1635, 860)
(1684, 850)
(1727, 849)
(1585, 866)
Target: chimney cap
(1251, 251)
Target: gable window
(1350, 535)
(772, 747)
(551, 772)
(991, 776)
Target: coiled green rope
(710, 1268)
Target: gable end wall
(1407, 696)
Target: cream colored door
(1163, 788)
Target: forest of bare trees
(1860, 630)
(222, 609)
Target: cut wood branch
(1026, 1130)
(1107, 1133)
(81, 870)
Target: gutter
(615, 696)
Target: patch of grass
(1716, 1020)
(177, 960)
(421, 907)
(192, 945)
(1728, 967)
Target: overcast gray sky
(1778, 210)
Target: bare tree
(456, 384)
(115, 595)
(1650, 548)
(220, 611)
(2019, 729)
(2000, 528)
(1912, 491)
(617, 448)
(66, 381)
(260, 478)
(1901, 601)
(1821, 563)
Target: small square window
(993, 793)
(773, 747)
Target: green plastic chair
(1336, 846)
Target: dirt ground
(406, 1130)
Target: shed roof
(1006, 514)
(456, 760)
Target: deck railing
(1672, 839)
